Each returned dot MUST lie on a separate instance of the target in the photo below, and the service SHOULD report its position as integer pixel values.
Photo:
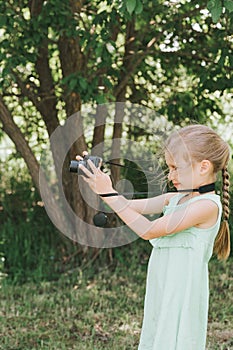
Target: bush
(31, 248)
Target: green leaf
(131, 5)
(139, 7)
(222, 60)
(228, 4)
(231, 60)
(72, 84)
(83, 83)
(215, 7)
(3, 20)
(100, 99)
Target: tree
(59, 54)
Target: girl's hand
(98, 181)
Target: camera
(74, 164)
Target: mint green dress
(177, 291)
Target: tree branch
(22, 146)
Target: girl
(183, 239)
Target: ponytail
(222, 241)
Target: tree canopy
(174, 57)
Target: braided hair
(222, 241)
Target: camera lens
(74, 166)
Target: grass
(101, 311)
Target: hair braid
(222, 242)
(225, 193)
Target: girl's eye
(172, 169)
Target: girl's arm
(203, 213)
(152, 205)
(197, 213)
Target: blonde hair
(201, 142)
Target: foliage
(30, 244)
(31, 248)
(217, 7)
(169, 56)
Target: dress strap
(212, 196)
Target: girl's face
(181, 172)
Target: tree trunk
(15, 134)
(120, 92)
(99, 129)
(116, 142)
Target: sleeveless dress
(177, 291)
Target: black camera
(74, 164)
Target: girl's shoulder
(174, 201)
(172, 197)
(207, 196)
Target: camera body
(74, 164)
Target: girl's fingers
(85, 171)
(94, 171)
(92, 166)
(78, 157)
(85, 179)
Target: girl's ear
(206, 166)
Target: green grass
(81, 311)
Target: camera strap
(201, 189)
